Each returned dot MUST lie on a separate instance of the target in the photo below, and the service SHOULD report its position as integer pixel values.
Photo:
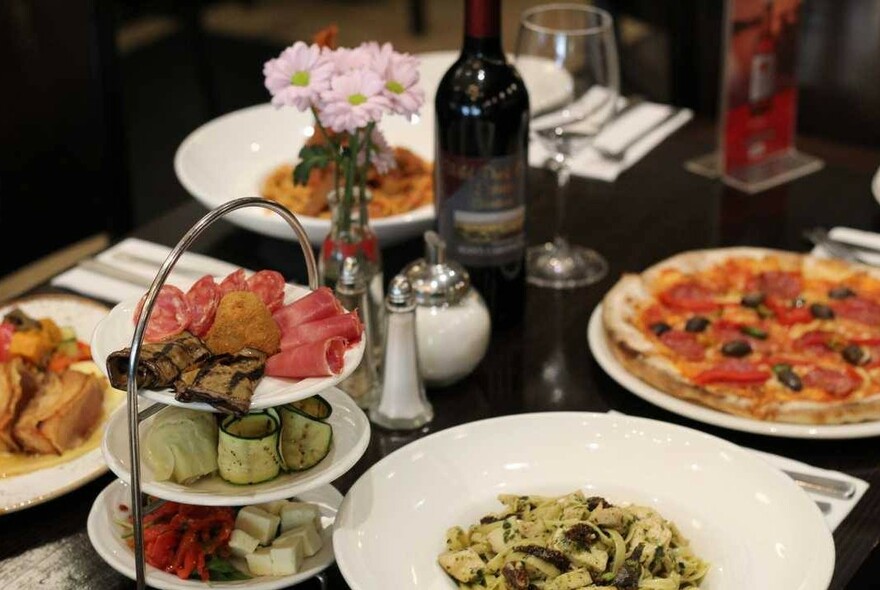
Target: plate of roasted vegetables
(257, 547)
(247, 341)
(54, 401)
(225, 460)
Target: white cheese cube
(242, 543)
(287, 559)
(308, 536)
(274, 507)
(260, 562)
(258, 523)
(297, 514)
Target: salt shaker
(402, 403)
(453, 324)
(351, 290)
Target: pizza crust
(640, 356)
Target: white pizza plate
(116, 331)
(228, 157)
(105, 533)
(23, 491)
(351, 435)
(751, 522)
(875, 185)
(649, 393)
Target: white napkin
(857, 238)
(839, 508)
(187, 270)
(589, 163)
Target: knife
(128, 257)
(825, 486)
(108, 270)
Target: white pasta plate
(606, 359)
(229, 157)
(105, 533)
(351, 435)
(751, 522)
(75, 468)
(116, 331)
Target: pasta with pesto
(571, 542)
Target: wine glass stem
(563, 174)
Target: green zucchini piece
(304, 440)
(247, 451)
(316, 407)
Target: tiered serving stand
(131, 473)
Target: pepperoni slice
(170, 315)
(234, 281)
(689, 296)
(269, 285)
(732, 371)
(814, 342)
(684, 344)
(858, 309)
(837, 383)
(203, 298)
(777, 283)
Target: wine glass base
(555, 267)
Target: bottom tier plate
(105, 533)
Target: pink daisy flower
(401, 83)
(345, 59)
(381, 154)
(297, 76)
(353, 100)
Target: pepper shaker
(402, 403)
(453, 324)
(351, 290)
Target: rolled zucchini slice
(247, 451)
(316, 407)
(305, 441)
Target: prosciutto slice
(317, 305)
(316, 359)
(347, 326)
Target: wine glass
(567, 46)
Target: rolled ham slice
(316, 359)
(317, 305)
(347, 326)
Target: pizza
(759, 333)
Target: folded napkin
(639, 122)
(142, 259)
(858, 238)
(839, 508)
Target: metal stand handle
(137, 340)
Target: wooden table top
(654, 210)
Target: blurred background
(98, 94)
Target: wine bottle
(481, 162)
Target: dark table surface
(654, 210)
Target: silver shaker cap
(434, 279)
(351, 278)
(400, 295)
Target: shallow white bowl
(116, 330)
(752, 523)
(106, 537)
(351, 435)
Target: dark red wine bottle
(481, 162)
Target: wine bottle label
(481, 208)
(763, 77)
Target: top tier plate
(116, 330)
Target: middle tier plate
(351, 435)
(116, 330)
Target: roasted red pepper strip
(720, 375)
(788, 316)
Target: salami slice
(316, 359)
(837, 383)
(203, 298)
(347, 326)
(317, 305)
(234, 281)
(858, 309)
(683, 343)
(776, 283)
(170, 315)
(269, 285)
(689, 296)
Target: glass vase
(351, 235)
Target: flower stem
(350, 164)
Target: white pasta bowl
(753, 524)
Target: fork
(619, 154)
(819, 237)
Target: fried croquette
(243, 321)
